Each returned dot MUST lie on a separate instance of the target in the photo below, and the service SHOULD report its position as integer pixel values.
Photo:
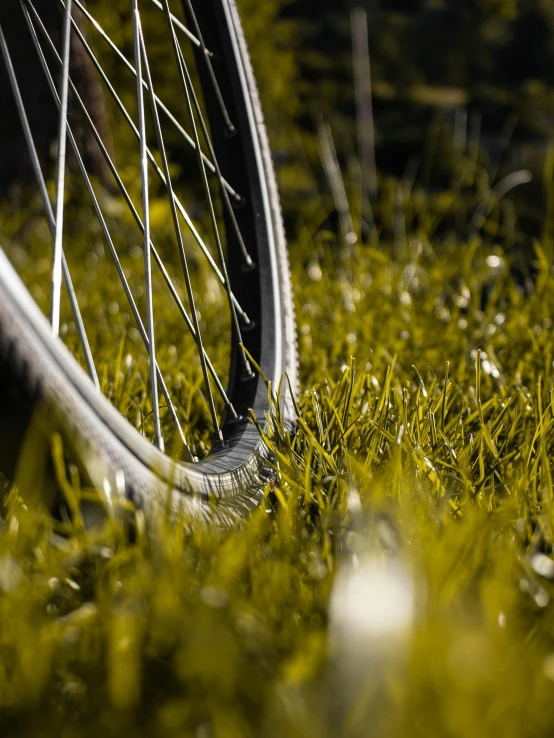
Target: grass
(398, 578)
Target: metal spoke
(137, 32)
(188, 321)
(103, 225)
(157, 156)
(130, 67)
(48, 207)
(230, 128)
(221, 101)
(208, 140)
(217, 431)
(244, 317)
(181, 26)
(140, 224)
(247, 370)
(60, 175)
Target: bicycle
(243, 281)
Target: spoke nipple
(230, 130)
(219, 441)
(189, 456)
(249, 265)
(247, 373)
(248, 325)
(239, 202)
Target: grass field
(398, 578)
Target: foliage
(489, 61)
(398, 579)
(424, 463)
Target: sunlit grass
(120, 355)
(397, 579)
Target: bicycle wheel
(168, 361)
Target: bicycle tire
(39, 373)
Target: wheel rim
(241, 256)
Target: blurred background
(450, 80)
(454, 91)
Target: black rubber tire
(37, 371)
